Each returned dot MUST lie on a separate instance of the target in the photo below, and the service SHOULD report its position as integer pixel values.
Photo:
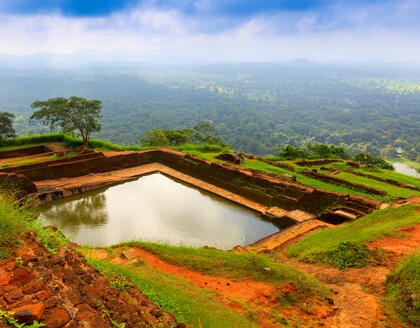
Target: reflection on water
(406, 169)
(158, 209)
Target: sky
(216, 30)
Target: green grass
(314, 183)
(368, 228)
(392, 175)
(234, 266)
(16, 217)
(389, 188)
(20, 146)
(22, 162)
(189, 304)
(403, 290)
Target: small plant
(19, 261)
(113, 322)
(5, 165)
(349, 255)
(8, 316)
(118, 282)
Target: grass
(314, 183)
(392, 175)
(389, 188)
(22, 162)
(234, 266)
(188, 303)
(403, 290)
(16, 217)
(368, 228)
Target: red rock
(13, 295)
(28, 313)
(42, 295)
(21, 275)
(5, 277)
(57, 318)
(84, 312)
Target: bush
(403, 290)
(349, 255)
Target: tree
(388, 151)
(70, 115)
(156, 137)
(6, 125)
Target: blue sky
(217, 30)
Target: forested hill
(255, 107)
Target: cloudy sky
(217, 30)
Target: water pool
(155, 208)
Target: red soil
(403, 245)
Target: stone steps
(279, 239)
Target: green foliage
(117, 281)
(50, 238)
(349, 255)
(403, 290)
(113, 322)
(16, 217)
(254, 107)
(201, 134)
(365, 229)
(368, 159)
(311, 151)
(19, 261)
(6, 125)
(72, 114)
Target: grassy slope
(235, 266)
(194, 306)
(389, 188)
(402, 283)
(365, 229)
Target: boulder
(28, 313)
(233, 158)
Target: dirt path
(358, 291)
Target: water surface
(155, 208)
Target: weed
(19, 261)
(349, 255)
(113, 322)
(118, 282)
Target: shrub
(349, 255)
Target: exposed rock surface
(233, 158)
(65, 291)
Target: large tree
(70, 115)
(6, 125)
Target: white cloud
(341, 33)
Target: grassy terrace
(366, 229)
(392, 190)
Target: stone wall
(255, 185)
(26, 151)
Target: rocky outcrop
(233, 158)
(65, 291)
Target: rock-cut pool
(155, 208)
